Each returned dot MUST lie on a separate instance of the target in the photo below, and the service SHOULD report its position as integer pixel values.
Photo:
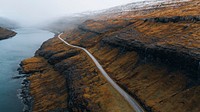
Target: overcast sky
(30, 12)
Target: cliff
(65, 78)
(153, 55)
(5, 33)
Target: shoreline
(6, 34)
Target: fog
(32, 12)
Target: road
(133, 103)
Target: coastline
(149, 58)
(5, 33)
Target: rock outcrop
(174, 19)
(65, 79)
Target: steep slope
(64, 78)
(153, 54)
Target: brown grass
(47, 87)
(155, 85)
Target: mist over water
(39, 12)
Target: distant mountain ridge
(69, 22)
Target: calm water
(12, 51)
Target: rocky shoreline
(81, 88)
(24, 91)
(25, 96)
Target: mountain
(152, 52)
(70, 22)
(65, 23)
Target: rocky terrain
(153, 54)
(64, 78)
(5, 33)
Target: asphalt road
(133, 103)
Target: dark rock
(47, 54)
(61, 56)
(88, 26)
(18, 77)
(173, 19)
(174, 56)
(25, 96)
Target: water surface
(12, 51)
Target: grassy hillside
(152, 53)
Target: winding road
(133, 103)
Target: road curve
(133, 103)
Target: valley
(152, 53)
